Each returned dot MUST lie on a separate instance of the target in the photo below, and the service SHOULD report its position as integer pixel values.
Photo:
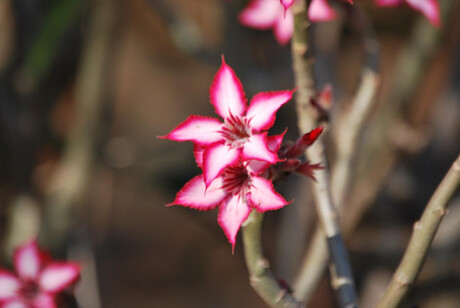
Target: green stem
(260, 276)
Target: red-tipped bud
(303, 143)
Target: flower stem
(347, 135)
(260, 276)
(342, 279)
(422, 236)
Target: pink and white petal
(226, 92)
(255, 167)
(195, 195)
(263, 197)
(274, 142)
(284, 27)
(216, 158)
(262, 110)
(261, 14)
(232, 213)
(57, 276)
(15, 303)
(9, 285)
(256, 148)
(199, 129)
(27, 260)
(319, 10)
(429, 8)
(44, 300)
(390, 3)
(198, 154)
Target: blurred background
(87, 86)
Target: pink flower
(239, 189)
(429, 8)
(242, 135)
(37, 279)
(270, 14)
(276, 15)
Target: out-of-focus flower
(277, 15)
(239, 189)
(243, 134)
(269, 14)
(37, 281)
(429, 8)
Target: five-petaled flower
(429, 8)
(236, 191)
(37, 281)
(242, 135)
(277, 15)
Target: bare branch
(422, 236)
(260, 276)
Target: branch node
(338, 282)
(402, 279)
(263, 263)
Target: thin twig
(260, 276)
(381, 152)
(316, 258)
(349, 131)
(422, 236)
(342, 280)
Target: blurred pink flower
(269, 14)
(38, 279)
(243, 134)
(429, 8)
(276, 15)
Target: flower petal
(274, 143)
(57, 276)
(44, 300)
(198, 154)
(256, 148)
(27, 260)
(388, 2)
(199, 129)
(216, 158)
(319, 10)
(232, 213)
(9, 285)
(16, 303)
(195, 195)
(284, 27)
(263, 197)
(261, 14)
(263, 107)
(429, 8)
(226, 92)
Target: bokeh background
(87, 86)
